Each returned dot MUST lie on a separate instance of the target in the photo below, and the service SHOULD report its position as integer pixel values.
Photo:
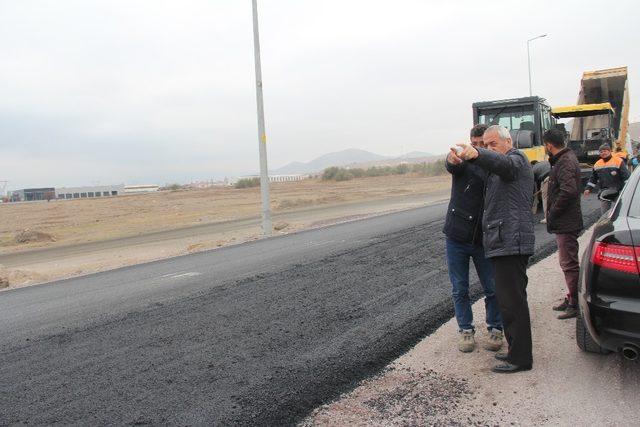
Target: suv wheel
(583, 337)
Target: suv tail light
(616, 257)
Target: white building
(89, 192)
(272, 178)
(287, 178)
(138, 189)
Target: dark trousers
(511, 292)
(568, 254)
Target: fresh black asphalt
(259, 333)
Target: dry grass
(32, 236)
(85, 220)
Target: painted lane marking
(181, 275)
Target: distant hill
(415, 155)
(393, 161)
(339, 158)
(352, 158)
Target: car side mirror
(608, 194)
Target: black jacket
(563, 198)
(508, 221)
(464, 215)
(612, 174)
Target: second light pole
(262, 136)
(529, 59)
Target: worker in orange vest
(609, 173)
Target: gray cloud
(159, 91)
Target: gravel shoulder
(435, 384)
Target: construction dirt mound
(17, 278)
(33, 236)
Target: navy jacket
(463, 222)
(508, 221)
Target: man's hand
(468, 152)
(453, 157)
(586, 192)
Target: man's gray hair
(502, 131)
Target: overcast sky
(150, 91)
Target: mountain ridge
(347, 157)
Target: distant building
(272, 178)
(32, 194)
(89, 192)
(67, 193)
(287, 178)
(144, 188)
(208, 184)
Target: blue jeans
(458, 255)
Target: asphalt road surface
(259, 333)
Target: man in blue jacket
(463, 228)
(508, 237)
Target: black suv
(609, 291)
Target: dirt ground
(73, 222)
(86, 220)
(435, 384)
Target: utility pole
(262, 137)
(529, 59)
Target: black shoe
(562, 306)
(502, 355)
(569, 313)
(509, 368)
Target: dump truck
(600, 116)
(526, 118)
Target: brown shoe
(562, 306)
(494, 340)
(569, 313)
(466, 342)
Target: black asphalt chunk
(422, 398)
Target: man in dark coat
(564, 216)
(508, 237)
(463, 228)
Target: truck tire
(583, 338)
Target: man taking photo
(463, 228)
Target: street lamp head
(529, 59)
(537, 37)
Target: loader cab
(526, 118)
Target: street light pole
(262, 137)
(529, 59)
